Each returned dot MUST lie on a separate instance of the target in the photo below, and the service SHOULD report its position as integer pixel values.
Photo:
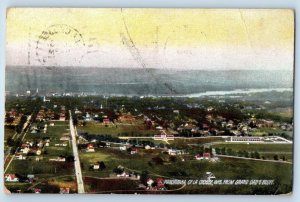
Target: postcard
(149, 101)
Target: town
(75, 143)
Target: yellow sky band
(157, 27)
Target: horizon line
(137, 68)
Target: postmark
(60, 44)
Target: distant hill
(125, 81)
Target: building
(163, 136)
(126, 119)
(11, 178)
(64, 190)
(174, 152)
(204, 156)
(123, 174)
(90, 148)
(134, 151)
(20, 157)
(106, 121)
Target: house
(65, 137)
(210, 108)
(90, 148)
(142, 187)
(41, 115)
(64, 190)
(147, 147)
(11, 178)
(123, 148)
(62, 116)
(159, 128)
(60, 145)
(95, 166)
(106, 121)
(40, 144)
(59, 159)
(123, 174)
(163, 136)
(198, 157)
(20, 157)
(205, 126)
(176, 111)
(160, 183)
(134, 151)
(30, 178)
(30, 143)
(36, 151)
(173, 152)
(229, 124)
(87, 117)
(150, 182)
(204, 156)
(77, 111)
(126, 119)
(25, 148)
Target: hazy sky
(153, 38)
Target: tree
(218, 150)
(230, 152)
(276, 157)
(10, 142)
(102, 165)
(246, 154)
(157, 160)
(172, 158)
(144, 177)
(223, 151)
(118, 170)
(240, 153)
(70, 158)
(256, 155)
(75, 121)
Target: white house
(122, 148)
(20, 157)
(11, 178)
(124, 174)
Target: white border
(294, 4)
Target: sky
(208, 39)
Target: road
(252, 159)
(80, 185)
(24, 132)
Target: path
(76, 155)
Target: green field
(44, 169)
(257, 147)
(119, 129)
(267, 130)
(265, 150)
(190, 169)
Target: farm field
(40, 166)
(266, 151)
(189, 169)
(118, 129)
